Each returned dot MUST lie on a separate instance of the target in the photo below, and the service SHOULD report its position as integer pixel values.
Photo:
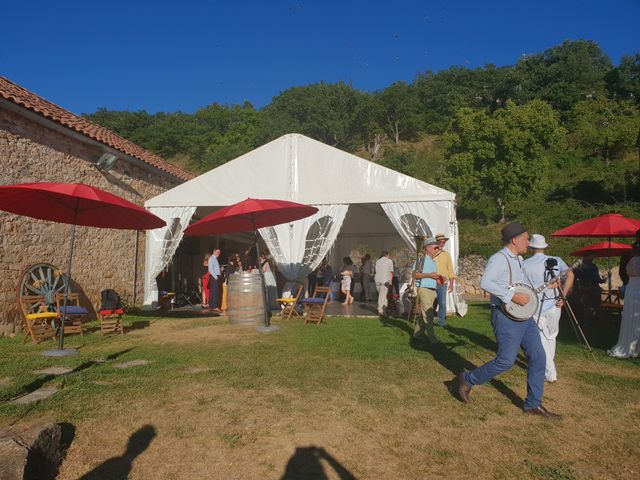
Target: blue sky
(183, 55)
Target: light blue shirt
(214, 267)
(495, 278)
(534, 270)
(429, 266)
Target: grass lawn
(351, 398)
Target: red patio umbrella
(608, 225)
(603, 249)
(76, 204)
(249, 215)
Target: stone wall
(103, 258)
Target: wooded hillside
(551, 140)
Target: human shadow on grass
(306, 464)
(118, 468)
(445, 355)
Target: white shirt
(384, 270)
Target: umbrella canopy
(604, 249)
(249, 215)
(76, 204)
(609, 225)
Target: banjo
(520, 313)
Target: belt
(429, 288)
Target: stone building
(42, 142)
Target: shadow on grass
(118, 468)
(445, 355)
(41, 381)
(138, 325)
(305, 463)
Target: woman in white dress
(269, 281)
(629, 337)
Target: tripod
(582, 339)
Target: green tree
(368, 120)
(563, 75)
(400, 111)
(605, 128)
(624, 81)
(322, 111)
(441, 94)
(500, 155)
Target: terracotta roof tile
(20, 96)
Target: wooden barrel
(245, 301)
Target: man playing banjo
(504, 269)
(538, 269)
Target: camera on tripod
(550, 268)
(550, 264)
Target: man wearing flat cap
(504, 268)
(444, 266)
(540, 268)
(427, 279)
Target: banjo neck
(552, 280)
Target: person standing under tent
(367, 271)
(269, 281)
(444, 266)
(204, 281)
(538, 269)
(347, 276)
(215, 274)
(628, 345)
(384, 279)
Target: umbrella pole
(66, 290)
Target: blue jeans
(441, 291)
(511, 336)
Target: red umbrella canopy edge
(603, 249)
(608, 225)
(249, 215)
(76, 203)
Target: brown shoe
(544, 413)
(464, 389)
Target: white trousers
(383, 290)
(549, 326)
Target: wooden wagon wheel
(41, 279)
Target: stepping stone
(132, 363)
(37, 395)
(55, 371)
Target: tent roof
(298, 168)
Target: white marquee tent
(359, 203)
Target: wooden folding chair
(74, 314)
(36, 319)
(289, 305)
(315, 306)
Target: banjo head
(522, 312)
